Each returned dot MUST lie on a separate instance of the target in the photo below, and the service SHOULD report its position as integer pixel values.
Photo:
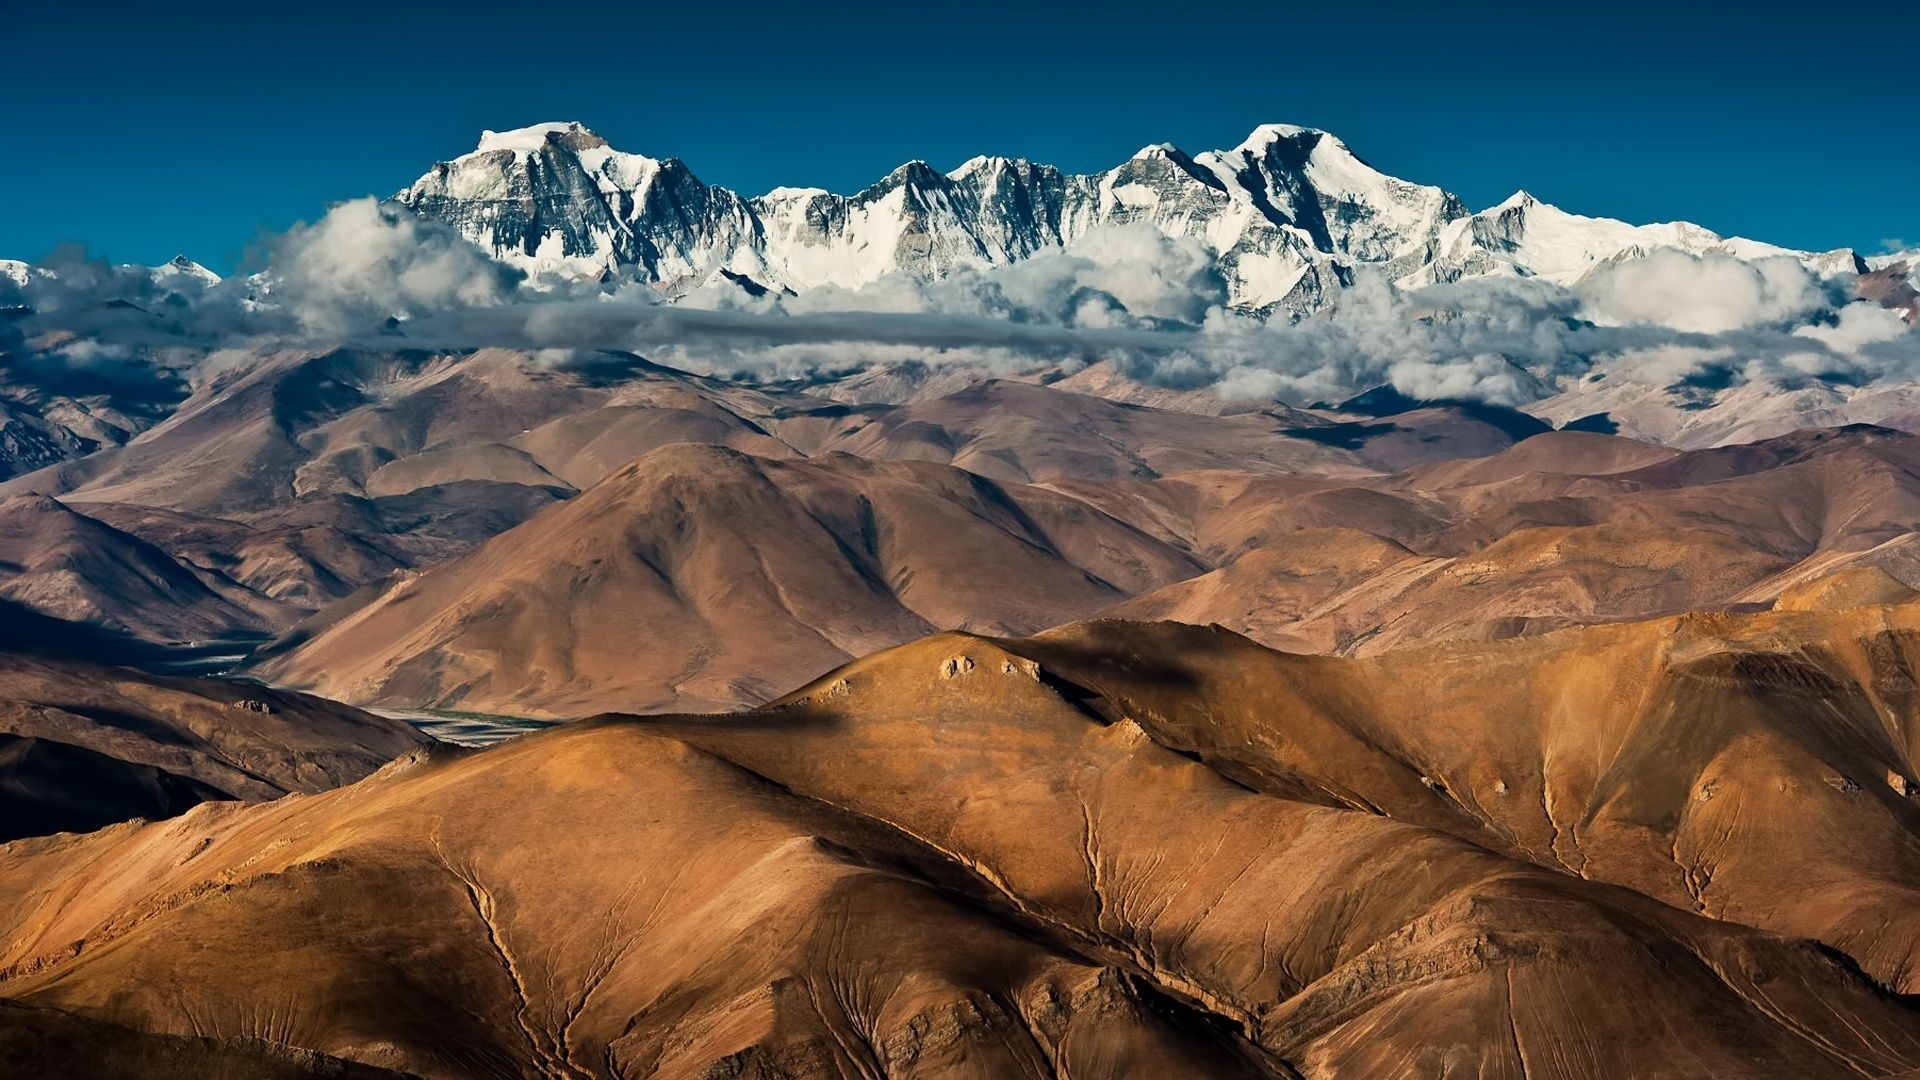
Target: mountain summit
(1291, 213)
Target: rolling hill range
(1562, 529)
(496, 530)
(288, 481)
(1575, 734)
(1140, 849)
(702, 577)
(851, 554)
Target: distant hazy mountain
(1291, 212)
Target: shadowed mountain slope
(67, 565)
(83, 744)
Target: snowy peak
(177, 272)
(1526, 237)
(989, 166)
(570, 134)
(555, 198)
(1291, 213)
(181, 268)
(914, 173)
(1520, 201)
(1158, 151)
(1267, 134)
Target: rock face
(1893, 281)
(1290, 214)
(1112, 850)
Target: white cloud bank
(370, 273)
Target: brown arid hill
(1855, 586)
(911, 381)
(68, 565)
(1563, 529)
(301, 564)
(699, 577)
(1667, 849)
(47, 1044)
(261, 430)
(1757, 768)
(292, 492)
(84, 744)
(301, 475)
(1027, 432)
(1343, 591)
(1820, 488)
(632, 596)
(287, 480)
(53, 410)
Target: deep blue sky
(150, 130)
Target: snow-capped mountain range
(176, 269)
(1291, 214)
